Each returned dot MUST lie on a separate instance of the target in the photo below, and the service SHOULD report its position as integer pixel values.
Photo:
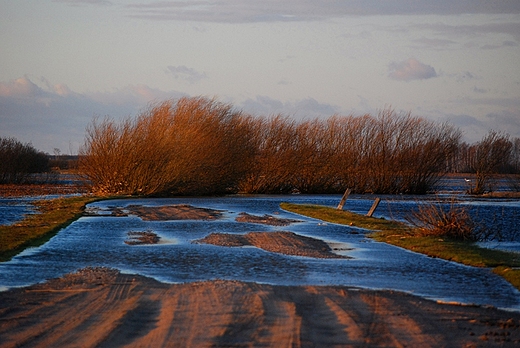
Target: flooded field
(13, 209)
(99, 240)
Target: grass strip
(37, 228)
(404, 236)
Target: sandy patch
(266, 220)
(101, 307)
(142, 237)
(174, 212)
(287, 243)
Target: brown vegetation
(200, 146)
(195, 146)
(489, 155)
(451, 222)
(31, 190)
(495, 157)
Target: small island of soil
(287, 243)
(266, 220)
(174, 212)
(140, 238)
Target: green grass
(404, 236)
(343, 217)
(510, 274)
(36, 229)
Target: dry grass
(435, 219)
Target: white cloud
(182, 72)
(411, 69)
(20, 88)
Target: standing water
(100, 241)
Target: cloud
(425, 42)
(53, 116)
(411, 69)
(506, 121)
(182, 72)
(471, 31)
(297, 10)
(304, 108)
(507, 43)
(21, 88)
(479, 90)
(84, 2)
(476, 128)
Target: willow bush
(193, 146)
(274, 157)
(201, 146)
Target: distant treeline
(63, 162)
(199, 146)
(21, 163)
(18, 161)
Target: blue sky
(65, 62)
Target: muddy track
(121, 310)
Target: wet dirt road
(103, 308)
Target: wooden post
(374, 207)
(343, 199)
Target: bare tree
(18, 161)
(489, 155)
(200, 146)
(192, 146)
(274, 161)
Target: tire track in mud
(137, 311)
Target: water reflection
(99, 241)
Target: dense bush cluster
(389, 153)
(201, 146)
(194, 146)
(18, 161)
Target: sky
(65, 62)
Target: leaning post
(343, 199)
(374, 207)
